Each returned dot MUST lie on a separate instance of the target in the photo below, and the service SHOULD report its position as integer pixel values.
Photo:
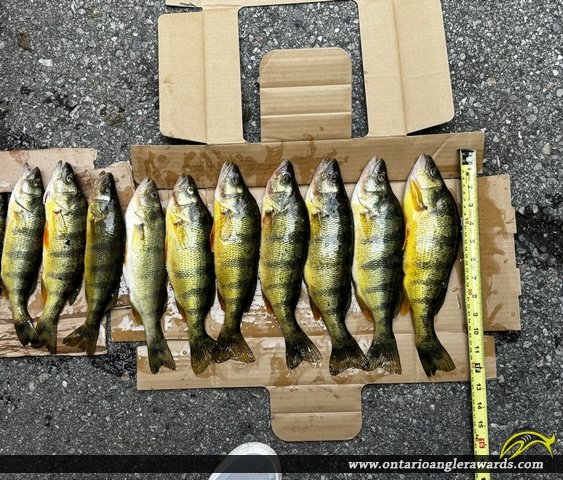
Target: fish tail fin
(26, 332)
(232, 345)
(345, 354)
(298, 348)
(84, 337)
(434, 356)
(201, 352)
(160, 355)
(47, 334)
(383, 353)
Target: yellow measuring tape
(473, 304)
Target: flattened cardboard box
(407, 88)
(295, 395)
(72, 316)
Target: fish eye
(236, 179)
(69, 178)
(154, 195)
(190, 190)
(381, 177)
(433, 172)
(334, 177)
(286, 178)
(36, 182)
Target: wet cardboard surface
(82, 161)
(294, 414)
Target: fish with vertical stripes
(144, 270)
(328, 269)
(236, 247)
(64, 241)
(103, 260)
(21, 255)
(4, 202)
(283, 251)
(377, 269)
(431, 245)
(189, 262)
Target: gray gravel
(85, 75)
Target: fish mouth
(372, 170)
(419, 168)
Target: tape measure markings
(473, 303)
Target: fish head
(146, 196)
(63, 184)
(425, 183)
(281, 185)
(373, 185)
(230, 187)
(30, 182)
(104, 190)
(185, 191)
(28, 191)
(326, 183)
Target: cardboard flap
(306, 94)
(405, 63)
(316, 413)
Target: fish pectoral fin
(269, 309)
(138, 233)
(314, 309)
(226, 224)
(416, 196)
(405, 305)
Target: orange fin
(315, 309)
(361, 303)
(46, 236)
(405, 305)
(212, 237)
(43, 292)
(269, 308)
(136, 315)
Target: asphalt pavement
(85, 74)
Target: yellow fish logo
(524, 440)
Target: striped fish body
(145, 271)
(64, 241)
(328, 269)
(283, 251)
(189, 262)
(21, 255)
(103, 260)
(377, 269)
(431, 248)
(236, 244)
